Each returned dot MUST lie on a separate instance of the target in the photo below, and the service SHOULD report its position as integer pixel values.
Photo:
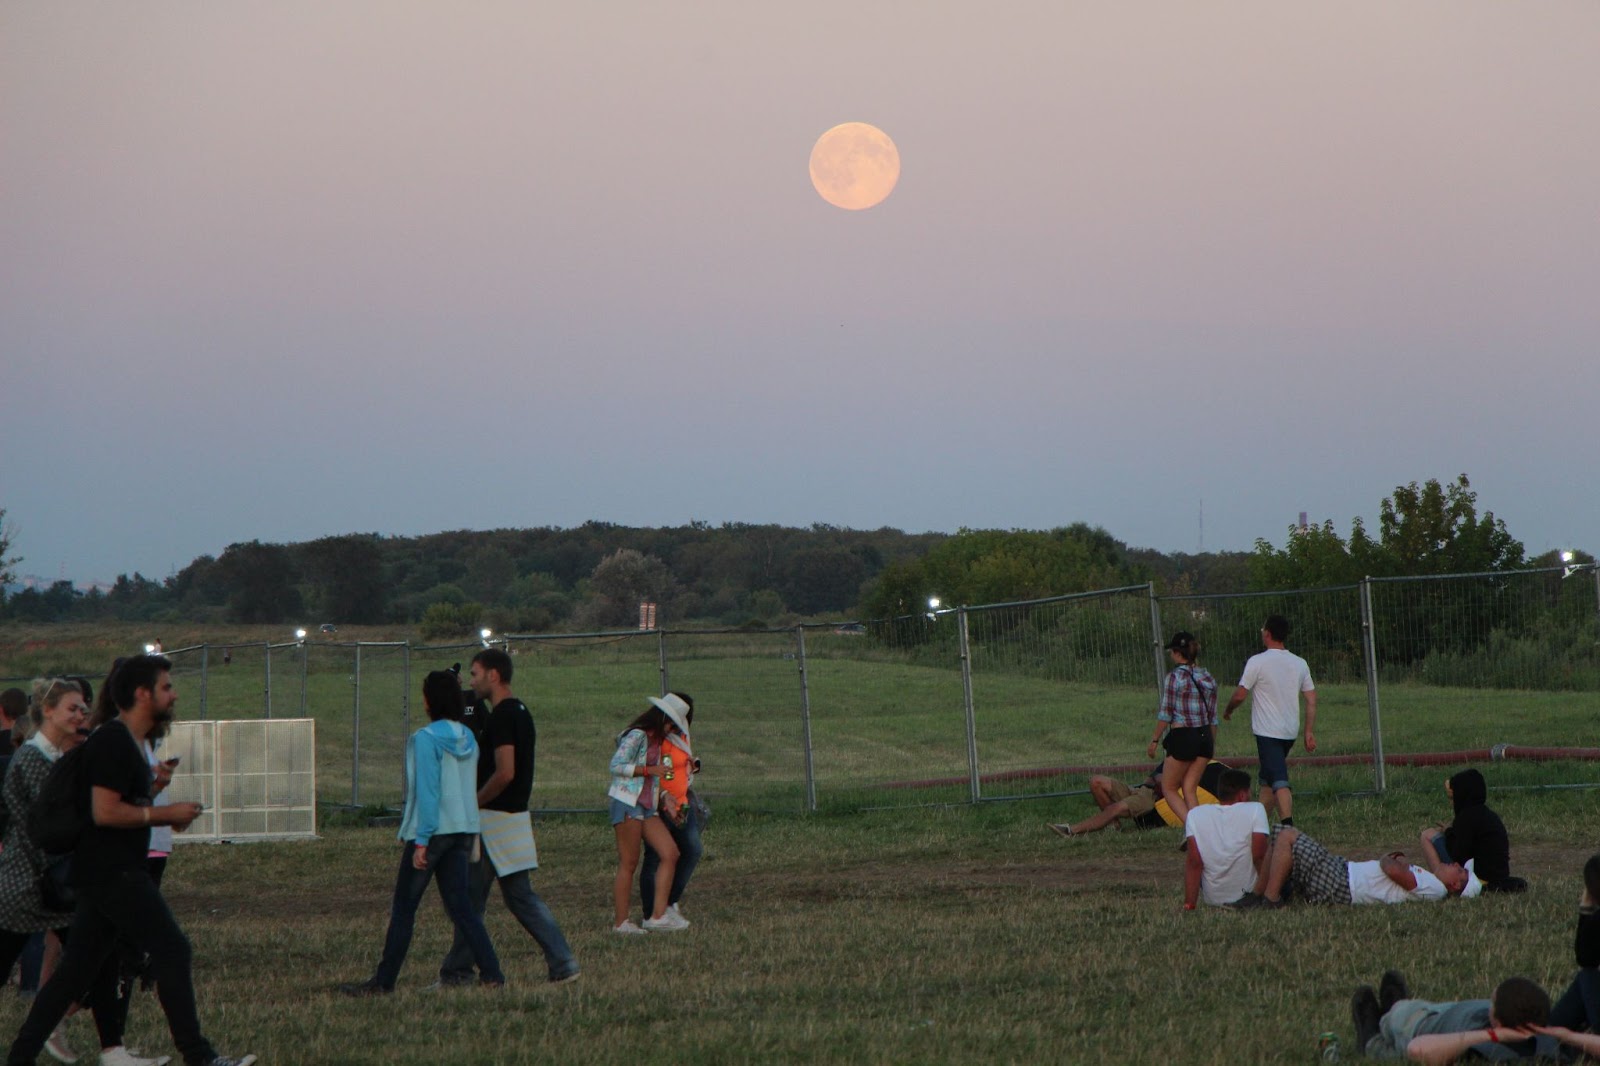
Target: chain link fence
(962, 704)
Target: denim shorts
(1274, 754)
(621, 812)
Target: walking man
(505, 783)
(1274, 680)
(116, 896)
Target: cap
(1182, 641)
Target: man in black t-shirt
(505, 782)
(116, 896)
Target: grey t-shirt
(1469, 1014)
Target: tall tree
(7, 561)
(261, 582)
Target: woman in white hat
(635, 794)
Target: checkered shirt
(1189, 698)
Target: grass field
(941, 933)
(876, 722)
(931, 936)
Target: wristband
(1188, 906)
(146, 815)
(1494, 1037)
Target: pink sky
(308, 268)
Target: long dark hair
(441, 690)
(653, 721)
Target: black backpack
(60, 813)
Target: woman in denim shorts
(635, 796)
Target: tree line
(594, 576)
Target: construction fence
(963, 704)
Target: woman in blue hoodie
(437, 829)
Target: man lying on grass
(1509, 1027)
(1319, 876)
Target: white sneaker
(628, 927)
(58, 1047)
(676, 913)
(667, 923)
(121, 1056)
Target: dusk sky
(281, 270)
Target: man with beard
(505, 784)
(116, 895)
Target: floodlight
(1566, 556)
(149, 649)
(300, 634)
(933, 603)
(484, 633)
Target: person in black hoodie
(1579, 1006)
(1477, 835)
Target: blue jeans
(1579, 1006)
(530, 912)
(687, 836)
(448, 857)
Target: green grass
(931, 936)
(876, 722)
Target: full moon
(854, 166)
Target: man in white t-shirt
(1319, 876)
(1224, 844)
(1274, 681)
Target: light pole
(300, 638)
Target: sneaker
(675, 911)
(1365, 1013)
(1391, 990)
(58, 1047)
(121, 1056)
(229, 1060)
(1252, 902)
(667, 923)
(369, 987)
(569, 976)
(1059, 828)
(627, 926)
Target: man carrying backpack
(116, 897)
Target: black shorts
(1190, 743)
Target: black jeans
(127, 905)
(110, 1017)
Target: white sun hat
(673, 707)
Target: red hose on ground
(1498, 753)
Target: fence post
(661, 660)
(805, 718)
(1156, 643)
(267, 658)
(405, 691)
(204, 676)
(355, 739)
(973, 784)
(303, 655)
(1369, 651)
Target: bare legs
(1280, 861)
(630, 832)
(1279, 800)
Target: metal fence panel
(887, 713)
(1067, 681)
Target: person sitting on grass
(1477, 835)
(1508, 1027)
(1579, 1005)
(1319, 876)
(438, 830)
(1225, 844)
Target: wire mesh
(1507, 658)
(888, 720)
(1060, 682)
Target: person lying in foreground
(1509, 1027)
(1319, 876)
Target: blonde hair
(47, 692)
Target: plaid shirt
(1189, 698)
